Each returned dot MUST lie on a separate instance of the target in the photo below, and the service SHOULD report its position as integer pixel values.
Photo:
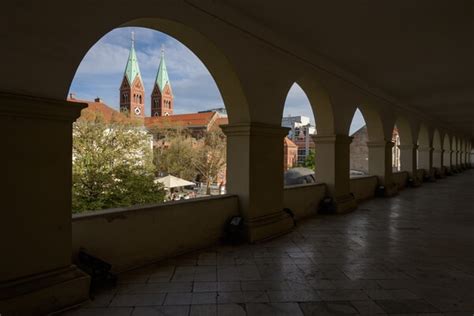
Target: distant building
(221, 111)
(196, 123)
(359, 152)
(290, 154)
(300, 134)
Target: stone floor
(410, 254)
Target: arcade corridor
(410, 254)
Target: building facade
(300, 134)
(359, 152)
(290, 154)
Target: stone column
(332, 168)
(408, 153)
(438, 162)
(455, 161)
(447, 161)
(36, 275)
(425, 162)
(380, 164)
(461, 160)
(255, 174)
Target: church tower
(162, 95)
(132, 91)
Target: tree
(174, 153)
(210, 159)
(112, 164)
(309, 161)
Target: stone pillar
(332, 168)
(461, 160)
(255, 174)
(380, 164)
(438, 163)
(447, 161)
(425, 162)
(455, 161)
(36, 275)
(408, 153)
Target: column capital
(380, 143)
(408, 146)
(15, 105)
(331, 139)
(254, 128)
(425, 148)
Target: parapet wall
(400, 179)
(363, 187)
(304, 199)
(131, 237)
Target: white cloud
(104, 58)
(100, 74)
(297, 103)
(357, 122)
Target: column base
(429, 175)
(268, 226)
(44, 293)
(416, 182)
(441, 173)
(345, 204)
(391, 190)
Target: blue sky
(101, 71)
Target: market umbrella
(174, 182)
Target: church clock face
(137, 110)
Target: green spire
(132, 70)
(162, 76)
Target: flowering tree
(112, 164)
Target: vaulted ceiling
(420, 52)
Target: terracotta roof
(222, 121)
(181, 120)
(98, 107)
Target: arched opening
(447, 152)
(406, 155)
(396, 152)
(424, 148)
(454, 156)
(359, 152)
(299, 147)
(437, 151)
(151, 151)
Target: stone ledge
(23, 106)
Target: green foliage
(309, 161)
(183, 156)
(112, 165)
(174, 154)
